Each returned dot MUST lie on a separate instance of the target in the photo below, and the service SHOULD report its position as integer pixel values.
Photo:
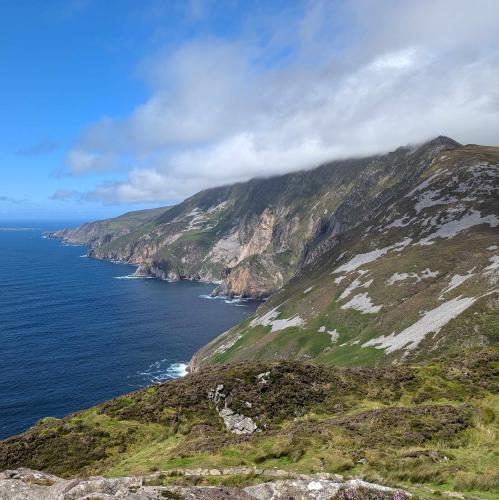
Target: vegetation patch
(428, 428)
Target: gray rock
(115, 487)
(294, 488)
(263, 378)
(30, 476)
(11, 489)
(236, 423)
(317, 489)
(216, 394)
(276, 473)
(26, 484)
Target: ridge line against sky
(118, 106)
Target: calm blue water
(73, 335)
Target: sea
(76, 331)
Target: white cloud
(357, 80)
(81, 161)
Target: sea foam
(237, 301)
(163, 370)
(132, 277)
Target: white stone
(362, 302)
(237, 423)
(456, 280)
(270, 319)
(432, 321)
(332, 333)
(227, 344)
(495, 263)
(430, 199)
(364, 258)
(356, 283)
(425, 273)
(402, 222)
(225, 250)
(216, 208)
(452, 228)
(314, 486)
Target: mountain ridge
(419, 278)
(252, 237)
(366, 261)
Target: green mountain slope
(429, 428)
(100, 233)
(252, 237)
(416, 278)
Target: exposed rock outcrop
(26, 484)
(253, 237)
(234, 422)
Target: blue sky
(115, 105)
(68, 63)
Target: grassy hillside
(104, 231)
(430, 428)
(417, 279)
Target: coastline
(139, 271)
(191, 366)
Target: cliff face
(405, 268)
(253, 237)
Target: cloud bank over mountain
(324, 81)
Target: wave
(211, 297)
(132, 277)
(84, 256)
(237, 301)
(163, 370)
